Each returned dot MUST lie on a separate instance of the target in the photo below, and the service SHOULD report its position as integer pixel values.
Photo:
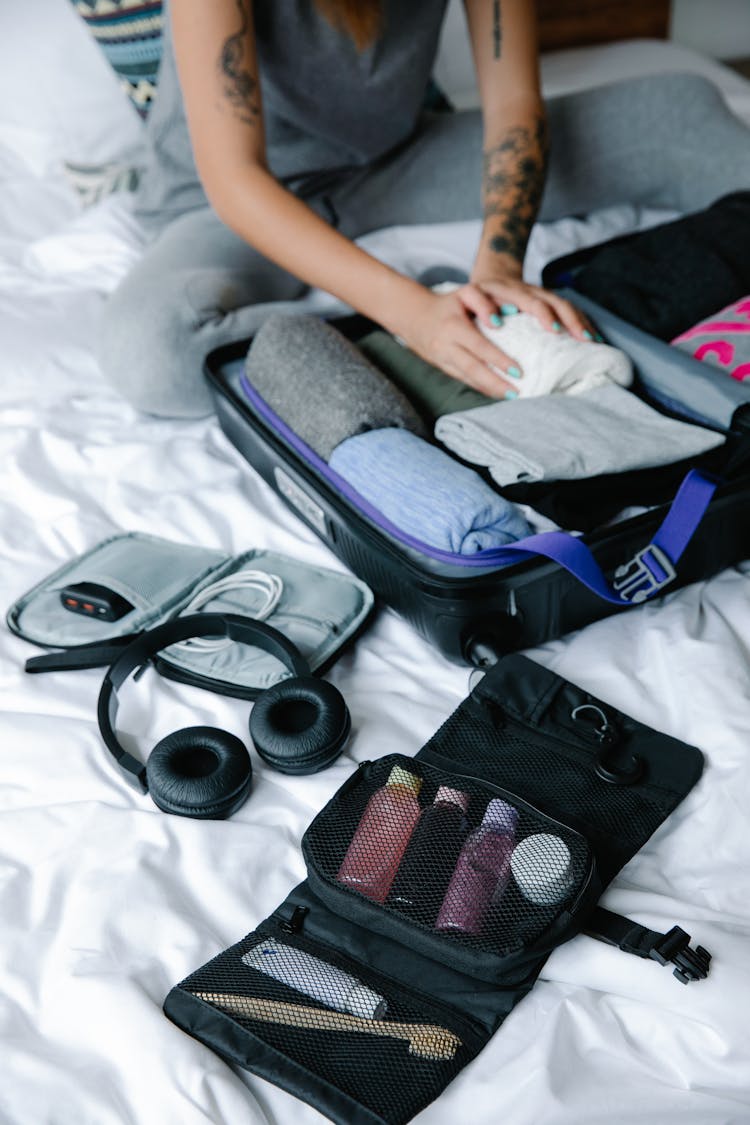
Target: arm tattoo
(513, 182)
(497, 31)
(240, 87)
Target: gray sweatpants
(663, 141)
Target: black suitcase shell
(474, 613)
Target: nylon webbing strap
(80, 657)
(672, 948)
(650, 569)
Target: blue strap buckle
(649, 571)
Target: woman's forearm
(217, 62)
(514, 169)
(504, 44)
(289, 233)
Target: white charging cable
(268, 584)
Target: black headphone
(298, 726)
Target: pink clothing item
(722, 340)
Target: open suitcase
(475, 608)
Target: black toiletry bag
(366, 1005)
(474, 608)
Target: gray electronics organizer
(319, 610)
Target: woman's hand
(443, 331)
(440, 327)
(510, 295)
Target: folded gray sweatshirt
(570, 437)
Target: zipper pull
(610, 766)
(361, 774)
(294, 924)
(486, 708)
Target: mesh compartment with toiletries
(321, 1018)
(463, 870)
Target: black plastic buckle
(648, 571)
(674, 948)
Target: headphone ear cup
(202, 772)
(300, 725)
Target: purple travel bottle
(482, 871)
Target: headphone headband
(244, 630)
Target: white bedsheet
(105, 902)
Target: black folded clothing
(666, 279)
(584, 505)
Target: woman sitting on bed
(307, 123)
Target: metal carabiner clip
(608, 766)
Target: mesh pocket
(466, 866)
(518, 757)
(152, 574)
(149, 571)
(384, 1048)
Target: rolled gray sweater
(321, 385)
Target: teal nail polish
(508, 310)
(599, 338)
(511, 394)
(556, 326)
(587, 334)
(514, 371)
(496, 321)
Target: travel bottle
(430, 858)
(315, 978)
(482, 871)
(382, 835)
(542, 868)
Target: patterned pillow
(129, 33)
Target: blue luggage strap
(650, 569)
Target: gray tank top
(327, 107)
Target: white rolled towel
(554, 362)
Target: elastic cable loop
(268, 584)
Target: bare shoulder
(240, 83)
(215, 54)
(214, 46)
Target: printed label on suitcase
(300, 500)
